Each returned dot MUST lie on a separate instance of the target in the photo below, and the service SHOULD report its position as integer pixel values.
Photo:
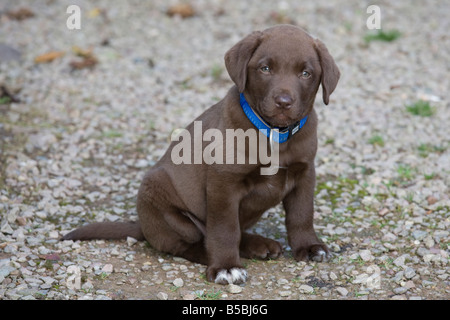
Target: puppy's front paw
(228, 276)
(231, 276)
(317, 252)
(254, 246)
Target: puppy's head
(279, 70)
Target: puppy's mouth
(281, 119)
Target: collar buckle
(280, 136)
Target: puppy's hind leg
(164, 221)
(168, 230)
(195, 252)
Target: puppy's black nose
(283, 100)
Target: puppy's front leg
(299, 207)
(223, 236)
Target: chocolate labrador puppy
(201, 211)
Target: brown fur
(199, 211)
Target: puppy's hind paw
(231, 276)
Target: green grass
(377, 140)
(335, 200)
(102, 276)
(358, 261)
(5, 100)
(216, 71)
(405, 172)
(420, 108)
(426, 148)
(409, 197)
(381, 35)
(430, 176)
(211, 295)
(112, 134)
(360, 294)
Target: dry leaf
(87, 62)
(184, 10)
(21, 221)
(431, 200)
(49, 56)
(94, 12)
(281, 18)
(21, 14)
(97, 12)
(81, 52)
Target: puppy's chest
(268, 190)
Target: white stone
(162, 296)
(131, 241)
(286, 293)
(366, 255)
(108, 268)
(73, 282)
(342, 291)
(6, 228)
(232, 288)
(304, 288)
(178, 282)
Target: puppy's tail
(106, 231)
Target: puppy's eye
(305, 75)
(265, 69)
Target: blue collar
(273, 133)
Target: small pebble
(232, 288)
(178, 282)
(366, 255)
(342, 291)
(162, 296)
(409, 273)
(286, 293)
(306, 289)
(108, 268)
(131, 241)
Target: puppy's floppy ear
(330, 71)
(237, 58)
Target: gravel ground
(76, 143)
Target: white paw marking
(232, 276)
(321, 256)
